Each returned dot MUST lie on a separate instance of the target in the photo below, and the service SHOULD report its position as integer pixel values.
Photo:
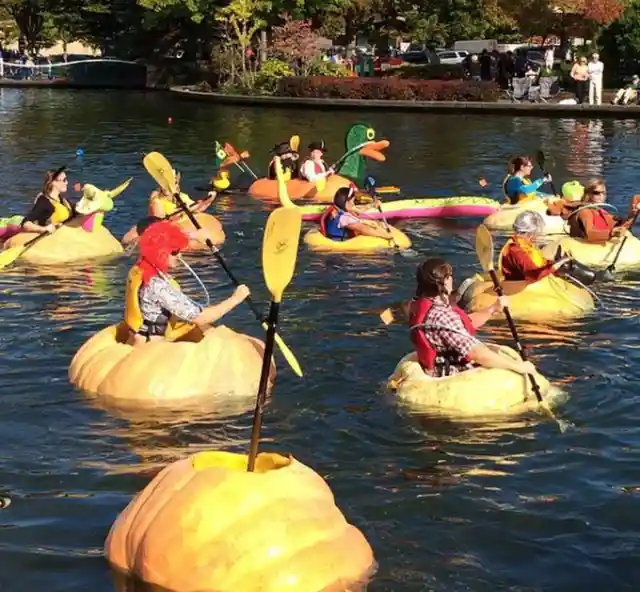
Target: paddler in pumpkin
(517, 186)
(443, 334)
(155, 307)
(50, 208)
(162, 204)
(589, 222)
(315, 167)
(340, 221)
(289, 160)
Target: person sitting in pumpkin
(50, 208)
(155, 306)
(315, 167)
(520, 259)
(443, 334)
(162, 204)
(588, 220)
(340, 221)
(288, 158)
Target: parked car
(450, 56)
(420, 54)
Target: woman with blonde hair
(580, 75)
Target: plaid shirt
(446, 333)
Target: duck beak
(374, 150)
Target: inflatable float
(209, 224)
(503, 218)
(315, 240)
(10, 227)
(205, 523)
(475, 392)
(83, 237)
(599, 255)
(359, 141)
(218, 361)
(549, 299)
(424, 207)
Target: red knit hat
(156, 244)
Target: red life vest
(600, 219)
(426, 352)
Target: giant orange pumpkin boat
(359, 142)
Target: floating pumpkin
(209, 224)
(219, 361)
(206, 524)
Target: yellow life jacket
(528, 247)
(522, 197)
(62, 210)
(169, 206)
(176, 328)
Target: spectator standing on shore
(485, 66)
(548, 58)
(521, 63)
(595, 69)
(474, 68)
(580, 75)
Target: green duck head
(354, 166)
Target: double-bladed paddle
(161, 170)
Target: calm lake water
(506, 505)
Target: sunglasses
(598, 192)
(65, 180)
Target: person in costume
(289, 159)
(155, 307)
(517, 186)
(50, 208)
(443, 334)
(315, 167)
(341, 222)
(520, 259)
(589, 222)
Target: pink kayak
(424, 207)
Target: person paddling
(163, 205)
(590, 222)
(50, 208)
(444, 335)
(289, 159)
(155, 306)
(517, 186)
(341, 222)
(315, 167)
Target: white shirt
(595, 69)
(308, 170)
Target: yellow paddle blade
(484, 247)
(10, 255)
(280, 249)
(283, 194)
(162, 171)
(286, 352)
(119, 189)
(388, 189)
(294, 142)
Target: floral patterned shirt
(159, 300)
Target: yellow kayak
(504, 218)
(318, 242)
(599, 255)
(548, 299)
(476, 392)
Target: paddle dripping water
(447, 506)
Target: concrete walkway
(500, 107)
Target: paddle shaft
(216, 254)
(262, 389)
(372, 193)
(612, 267)
(514, 332)
(347, 154)
(541, 160)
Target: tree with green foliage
(620, 43)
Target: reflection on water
(512, 503)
